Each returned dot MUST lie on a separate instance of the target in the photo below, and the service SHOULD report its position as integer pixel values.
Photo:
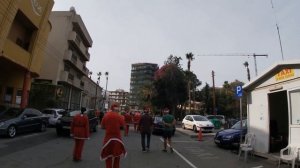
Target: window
(67, 68)
(70, 76)
(22, 31)
(295, 107)
(19, 96)
(74, 58)
(8, 94)
(48, 111)
(77, 39)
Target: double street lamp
(98, 82)
(106, 74)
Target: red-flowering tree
(170, 85)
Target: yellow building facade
(24, 29)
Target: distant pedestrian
(169, 126)
(113, 146)
(145, 127)
(128, 121)
(136, 119)
(80, 131)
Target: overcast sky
(135, 31)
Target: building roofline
(269, 71)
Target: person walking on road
(113, 147)
(128, 121)
(80, 131)
(169, 124)
(145, 127)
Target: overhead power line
(237, 55)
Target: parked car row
(63, 124)
(54, 114)
(15, 120)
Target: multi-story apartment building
(119, 96)
(65, 61)
(142, 74)
(24, 29)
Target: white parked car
(54, 114)
(195, 122)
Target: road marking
(30, 135)
(258, 167)
(185, 142)
(182, 157)
(201, 153)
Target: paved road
(46, 150)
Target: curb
(192, 134)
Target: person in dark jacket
(145, 126)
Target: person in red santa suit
(80, 131)
(128, 121)
(113, 147)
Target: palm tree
(246, 64)
(226, 86)
(190, 58)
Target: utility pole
(214, 93)
(237, 55)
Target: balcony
(64, 76)
(16, 53)
(69, 78)
(75, 62)
(78, 44)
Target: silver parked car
(54, 114)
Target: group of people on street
(113, 147)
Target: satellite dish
(72, 9)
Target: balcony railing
(78, 64)
(76, 41)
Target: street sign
(239, 91)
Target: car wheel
(194, 128)
(59, 132)
(11, 131)
(183, 126)
(43, 127)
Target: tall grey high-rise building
(142, 74)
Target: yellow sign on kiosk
(285, 74)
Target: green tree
(170, 85)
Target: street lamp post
(106, 74)
(97, 84)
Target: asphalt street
(46, 150)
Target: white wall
(258, 115)
(258, 119)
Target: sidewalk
(272, 158)
(193, 134)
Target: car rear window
(48, 111)
(200, 118)
(61, 112)
(157, 119)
